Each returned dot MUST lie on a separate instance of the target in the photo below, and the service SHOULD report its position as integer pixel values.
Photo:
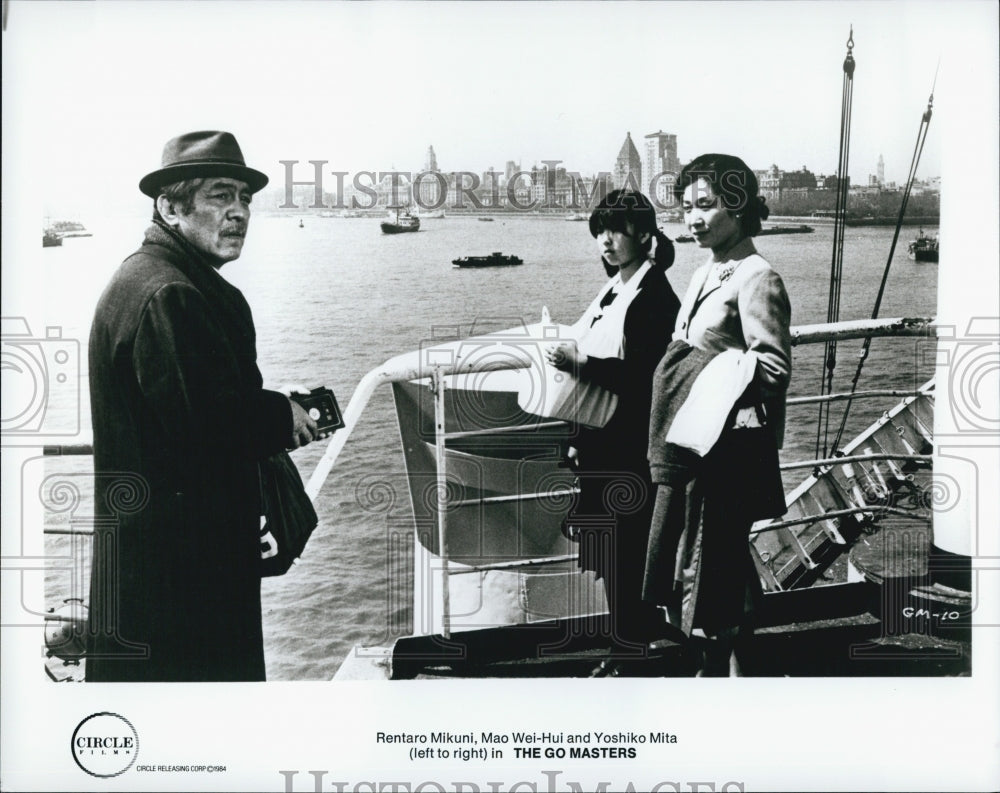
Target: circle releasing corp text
(105, 744)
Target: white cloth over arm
(700, 420)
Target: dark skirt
(610, 520)
(698, 562)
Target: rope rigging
(911, 177)
(837, 260)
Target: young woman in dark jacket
(611, 517)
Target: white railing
(409, 367)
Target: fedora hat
(200, 154)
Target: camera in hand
(321, 405)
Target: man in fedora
(180, 422)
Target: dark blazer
(613, 469)
(649, 323)
(180, 420)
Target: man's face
(217, 222)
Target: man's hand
(303, 427)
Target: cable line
(837, 260)
(914, 162)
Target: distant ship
(923, 248)
(576, 216)
(403, 223)
(495, 259)
(69, 228)
(486, 219)
(803, 229)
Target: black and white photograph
(500, 396)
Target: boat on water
(401, 223)
(576, 216)
(485, 219)
(764, 232)
(923, 248)
(69, 228)
(800, 229)
(495, 259)
(51, 239)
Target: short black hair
(733, 182)
(618, 209)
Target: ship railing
(405, 369)
(402, 369)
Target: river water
(335, 297)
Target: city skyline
(651, 171)
(369, 86)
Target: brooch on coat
(725, 273)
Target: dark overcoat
(180, 422)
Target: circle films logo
(105, 744)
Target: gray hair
(179, 193)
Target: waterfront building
(489, 190)
(824, 182)
(628, 166)
(773, 182)
(769, 182)
(660, 158)
(394, 191)
(430, 189)
(798, 180)
(586, 192)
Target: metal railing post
(441, 496)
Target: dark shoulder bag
(288, 515)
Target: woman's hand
(565, 356)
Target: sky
(97, 88)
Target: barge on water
(764, 232)
(495, 259)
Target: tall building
(881, 171)
(431, 190)
(628, 167)
(661, 158)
